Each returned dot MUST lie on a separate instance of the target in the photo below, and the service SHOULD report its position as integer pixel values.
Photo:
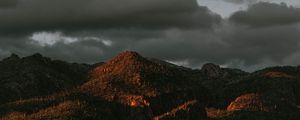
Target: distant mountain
(37, 76)
(131, 87)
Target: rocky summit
(132, 87)
(135, 81)
(212, 70)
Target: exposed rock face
(212, 70)
(251, 102)
(135, 81)
(37, 75)
(271, 93)
(181, 105)
(280, 72)
(186, 111)
(274, 74)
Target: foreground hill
(272, 93)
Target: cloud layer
(8, 3)
(265, 14)
(30, 15)
(178, 31)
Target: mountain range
(132, 87)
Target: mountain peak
(129, 54)
(209, 65)
(127, 57)
(37, 55)
(133, 80)
(125, 64)
(12, 57)
(38, 58)
(212, 70)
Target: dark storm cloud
(266, 14)
(8, 3)
(234, 46)
(230, 45)
(106, 27)
(88, 14)
(256, 44)
(241, 1)
(81, 51)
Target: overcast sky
(245, 34)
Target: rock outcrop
(212, 70)
(251, 102)
(272, 93)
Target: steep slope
(293, 71)
(285, 73)
(251, 102)
(37, 75)
(72, 105)
(265, 94)
(133, 80)
(279, 88)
